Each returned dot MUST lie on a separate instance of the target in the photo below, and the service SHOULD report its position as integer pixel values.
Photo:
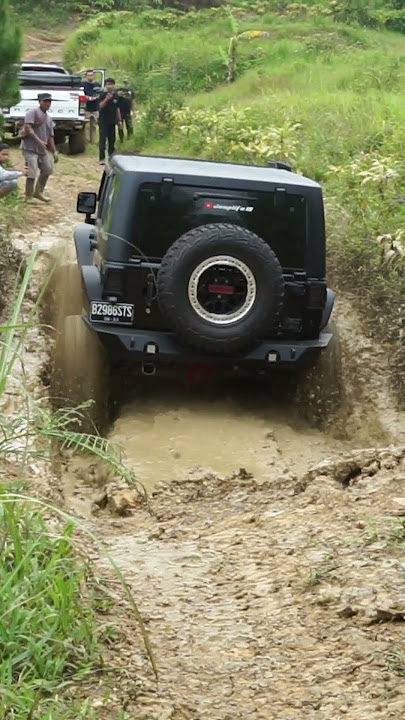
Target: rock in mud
(122, 500)
(359, 463)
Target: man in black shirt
(91, 113)
(109, 117)
(125, 104)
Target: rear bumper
(157, 347)
(13, 125)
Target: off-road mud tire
(81, 371)
(181, 261)
(77, 142)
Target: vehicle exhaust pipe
(148, 369)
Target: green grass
(12, 211)
(165, 51)
(48, 634)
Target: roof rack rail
(279, 165)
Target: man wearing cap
(38, 146)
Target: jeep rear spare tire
(221, 288)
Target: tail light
(82, 104)
(113, 282)
(316, 295)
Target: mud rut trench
(271, 580)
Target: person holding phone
(109, 118)
(90, 87)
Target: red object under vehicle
(200, 375)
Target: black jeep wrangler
(194, 261)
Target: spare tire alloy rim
(222, 290)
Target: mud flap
(327, 311)
(82, 237)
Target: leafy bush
(10, 49)
(231, 134)
(63, 8)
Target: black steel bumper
(151, 346)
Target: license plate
(108, 312)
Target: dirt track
(269, 592)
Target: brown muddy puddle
(169, 432)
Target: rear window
(163, 214)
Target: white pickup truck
(68, 101)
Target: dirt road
(268, 592)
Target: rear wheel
(81, 371)
(59, 138)
(77, 142)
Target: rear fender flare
(82, 237)
(91, 275)
(92, 282)
(327, 311)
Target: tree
(10, 51)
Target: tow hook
(148, 369)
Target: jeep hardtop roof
(170, 167)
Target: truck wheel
(59, 138)
(81, 371)
(220, 288)
(77, 142)
(320, 391)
